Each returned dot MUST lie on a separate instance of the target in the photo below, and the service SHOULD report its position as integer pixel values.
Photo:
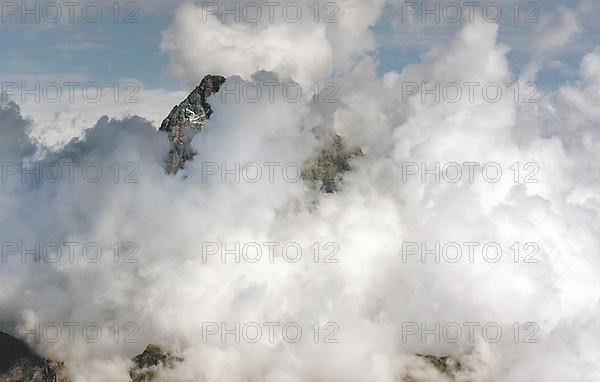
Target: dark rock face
(12, 350)
(447, 369)
(445, 365)
(147, 363)
(35, 370)
(18, 363)
(187, 119)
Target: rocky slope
(18, 363)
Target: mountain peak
(187, 119)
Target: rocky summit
(149, 362)
(187, 119)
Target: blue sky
(104, 52)
(107, 52)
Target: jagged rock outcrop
(35, 370)
(18, 363)
(326, 171)
(459, 367)
(149, 362)
(445, 365)
(187, 119)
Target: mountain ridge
(323, 171)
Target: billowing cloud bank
(372, 295)
(305, 40)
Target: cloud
(372, 292)
(66, 105)
(201, 41)
(553, 34)
(15, 139)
